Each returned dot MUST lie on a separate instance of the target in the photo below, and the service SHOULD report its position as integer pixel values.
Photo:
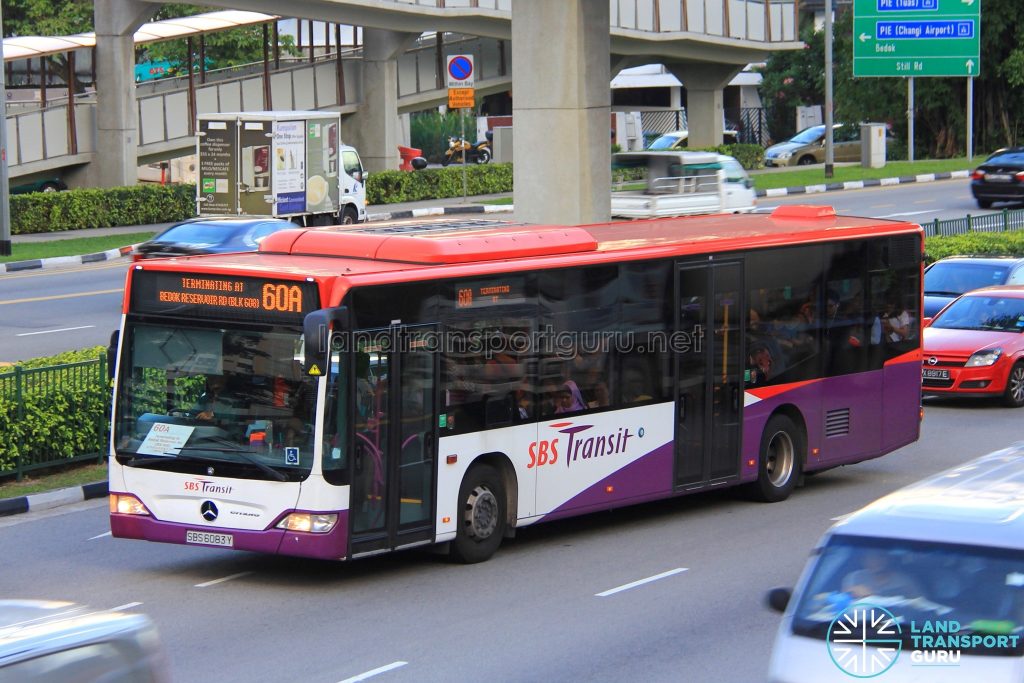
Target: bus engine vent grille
(837, 423)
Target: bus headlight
(124, 504)
(309, 522)
(983, 358)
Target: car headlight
(783, 155)
(309, 522)
(983, 358)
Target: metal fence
(56, 389)
(990, 222)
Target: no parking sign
(460, 71)
(460, 81)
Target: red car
(975, 346)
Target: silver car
(61, 642)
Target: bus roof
(412, 249)
(978, 503)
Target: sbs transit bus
(356, 390)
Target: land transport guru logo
(865, 641)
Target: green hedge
(101, 208)
(975, 243)
(749, 156)
(60, 420)
(390, 187)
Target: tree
(940, 103)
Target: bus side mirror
(112, 353)
(316, 330)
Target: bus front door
(708, 373)
(393, 469)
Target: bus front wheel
(481, 521)
(781, 455)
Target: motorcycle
(479, 152)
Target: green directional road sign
(916, 37)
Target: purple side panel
(330, 546)
(646, 478)
(883, 417)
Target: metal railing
(1004, 221)
(57, 394)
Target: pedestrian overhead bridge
(397, 67)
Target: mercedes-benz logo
(208, 511)
(933, 361)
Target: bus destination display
(488, 293)
(222, 296)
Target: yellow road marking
(62, 296)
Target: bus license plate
(208, 538)
(935, 374)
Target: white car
(926, 584)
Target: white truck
(682, 183)
(287, 164)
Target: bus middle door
(393, 477)
(708, 373)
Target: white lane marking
(100, 536)
(374, 672)
(908, 213)
(63, 329)
(126, 606)
(626, 587)
(226, 578)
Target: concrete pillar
(374, 130)
(704, 84)
(116, 160)
(561, 111)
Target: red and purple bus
(357, 390)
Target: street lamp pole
(828, 88)
(5, 199)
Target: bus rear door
(709, 373)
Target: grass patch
(500, 201)
(27, 251)
(72, 475)
(800, 176)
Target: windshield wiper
(138, 460)
(245, 455)
(937, 292)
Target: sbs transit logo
(864, 641)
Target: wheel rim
(779, 459)
(481, 513)
(1017, 384)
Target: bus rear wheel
(781, 455)
(481, 520)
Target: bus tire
(781, 455)
(1013, 396)
(481, 520)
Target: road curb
(52, 499)
(441, 211)
(861, 184)
(59, 261)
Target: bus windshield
(214, 401)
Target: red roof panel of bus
(433, 242)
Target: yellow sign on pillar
(461, 98)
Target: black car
(211, 236)
(948, 278)
(1000, 178)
